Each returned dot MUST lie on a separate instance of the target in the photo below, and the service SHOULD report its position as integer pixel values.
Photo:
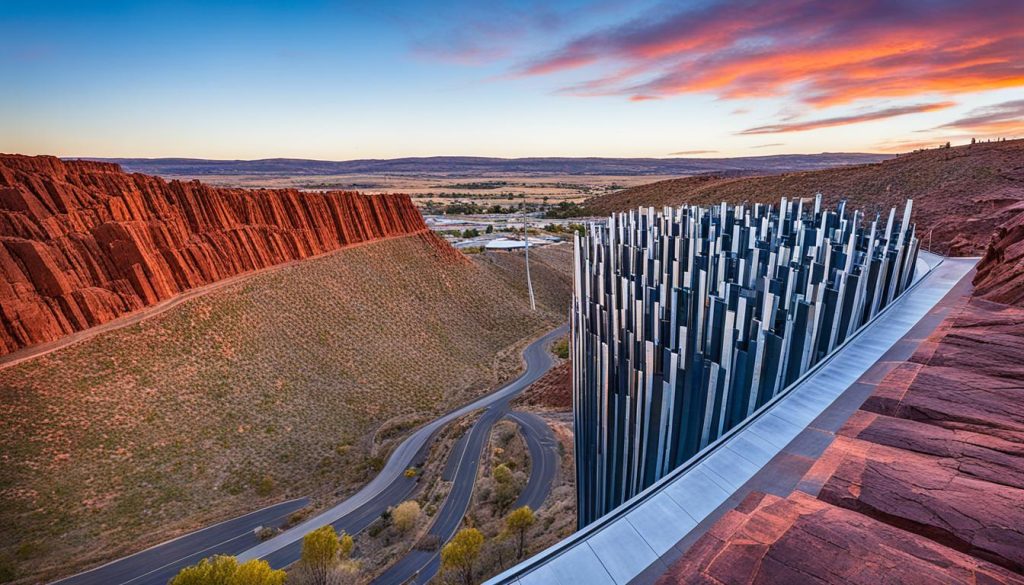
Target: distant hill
(470, 166)
(961, 195)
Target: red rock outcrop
(924, 484)
(799, 539)
(82, 242)
(1001, 271)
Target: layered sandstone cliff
(1000, 276)
(82, 243)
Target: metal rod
(526, 240)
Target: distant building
(512, 244)
(688, 320)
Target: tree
(212, 571)
(505, 486)
(225, 570)
(405, 515)
(320, 553)
(518, 522)
(460, 554)
(256, 572)
(490, 229)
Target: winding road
(155, 566)
(419, 566)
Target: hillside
(82, 243)
(470, 166)
(962, 193)
(290, 382)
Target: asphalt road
(419, 566)
(155, 566)
(158, 564)
(543, 459)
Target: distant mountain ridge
(468, 166)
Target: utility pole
(526, 241)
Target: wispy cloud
(769, 145)
(691, 152)
(476, 36)
(1005, 119)
(819, 52)
(850, 119)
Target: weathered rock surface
(924, 484)
(82, 243)
(1001, 270)
(799, 539)
(931, 496)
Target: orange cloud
(820, 52)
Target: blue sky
(338, 80)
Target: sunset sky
(340, 80)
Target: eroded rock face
(82, 242)
(924, 484)
(1001, 270)
(799, 539)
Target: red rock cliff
(82, 242)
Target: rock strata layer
(82, 243)
(923, 484)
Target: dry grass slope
(963, 193)
(284, 384)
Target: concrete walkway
(636, 542)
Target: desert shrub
(506, 487)
(429, 542)
(225, 570)
(405, 515)
(296, 517)
(265, 486)
(561, 348)
(346, 573)
(320, 552)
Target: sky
(348, 80)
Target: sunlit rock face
(83, 242)
(688, 320)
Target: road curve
(538, 362)
(161, 562)
(420, 566)
(543, 446)
(157, 565)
